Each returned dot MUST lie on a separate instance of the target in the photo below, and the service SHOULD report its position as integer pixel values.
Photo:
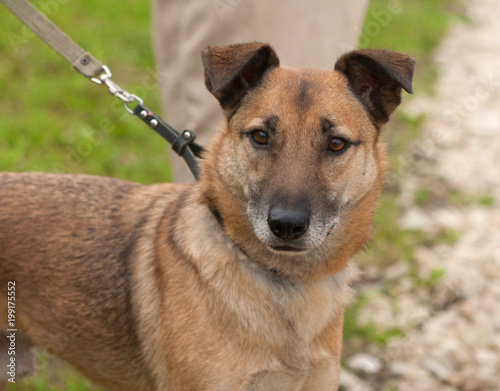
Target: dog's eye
(337, 144)
(259, 137)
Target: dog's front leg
(326, 370)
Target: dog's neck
(217, 215)
(256, 290)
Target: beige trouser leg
(303, 33)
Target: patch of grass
(415, 27)
(41, 382)
(366, 333)
(401, 129)
(53, 375)
(390, 243)
(435, 193)
(434, 277)
(448, 236)
(485, 200)
(421, 196)
(55, 120)
(443, 236)
(455, 197)
(369, 332)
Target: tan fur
(185, 287)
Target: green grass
(415, 27)
(434, 277)
(55, 120)
(53, 375)
(367, 333)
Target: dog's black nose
(288, 224)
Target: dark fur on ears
(376, 77)
(231, 71)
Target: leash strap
(88, 66)
(78, 58)
(183, 144)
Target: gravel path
(452, 322)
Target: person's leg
(312, 33)
(182, 29)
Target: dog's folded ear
(376, 77)
(231, 71)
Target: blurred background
(411, 326)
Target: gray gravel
(452, 328)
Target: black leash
(182, 144)
(91, 68)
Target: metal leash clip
(115, 90)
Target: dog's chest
(273, 380)
(322, 376)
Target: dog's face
(301, 156)
(303, 160)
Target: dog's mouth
(293, 249)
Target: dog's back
(78, 233)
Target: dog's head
(296, 172)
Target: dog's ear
(376, 77)
(231, 71)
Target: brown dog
(237, 282)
